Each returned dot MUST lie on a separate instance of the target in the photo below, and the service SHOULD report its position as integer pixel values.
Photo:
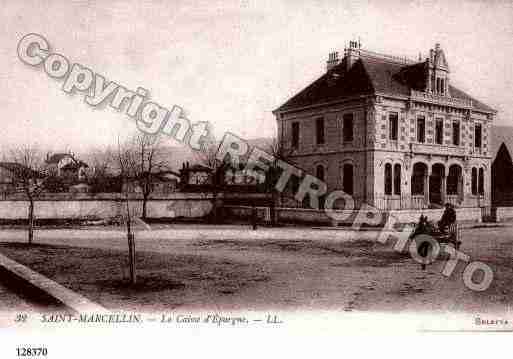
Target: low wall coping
(64, 295)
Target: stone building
(502, 166)
(392, 132)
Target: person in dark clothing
(421, 227)
(448, 217)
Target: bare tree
(101, 176)
(126, 160)
(208, 157)
(139, 159)
(280, 153)
(150, 162)
(26, 168)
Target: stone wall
(465, 215)
(503, 214)
(347, 217)
(181, 205)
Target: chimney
(352, 53)
(333, 60)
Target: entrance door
(435, 190)
(435, 184)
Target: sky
(227, 62)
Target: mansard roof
(370, 76)
(333, 85)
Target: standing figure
(448, 218)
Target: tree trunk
(144, 206)
(31, 221)
(131, 258)
(214, 194)
(272, 211)
(131, 243)
(214, 206)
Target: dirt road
(322, 269)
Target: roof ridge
(403, 60)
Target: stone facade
(408, 139)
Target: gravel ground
(293, 269)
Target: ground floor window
(320, 172)
(392, 179)
(397, 179)
(388, 178)
(474, 181)
(417, 179)
(294, 184)
(480, 182)
(347, 178)
(453, 180)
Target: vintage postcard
(255, 178)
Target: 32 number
(21, 318)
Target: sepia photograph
(241, 175)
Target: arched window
(347, 178)
(294, 184)
(474, 181)
(319, 172)
(388, 178)
(397, 179)
(480, 182)
(454, 180)
(418, 177)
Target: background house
(195, 175)
(65, 166)
(162, 182)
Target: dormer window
(440, 85)
(477, 135)
(438, 74)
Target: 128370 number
(31, 351)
